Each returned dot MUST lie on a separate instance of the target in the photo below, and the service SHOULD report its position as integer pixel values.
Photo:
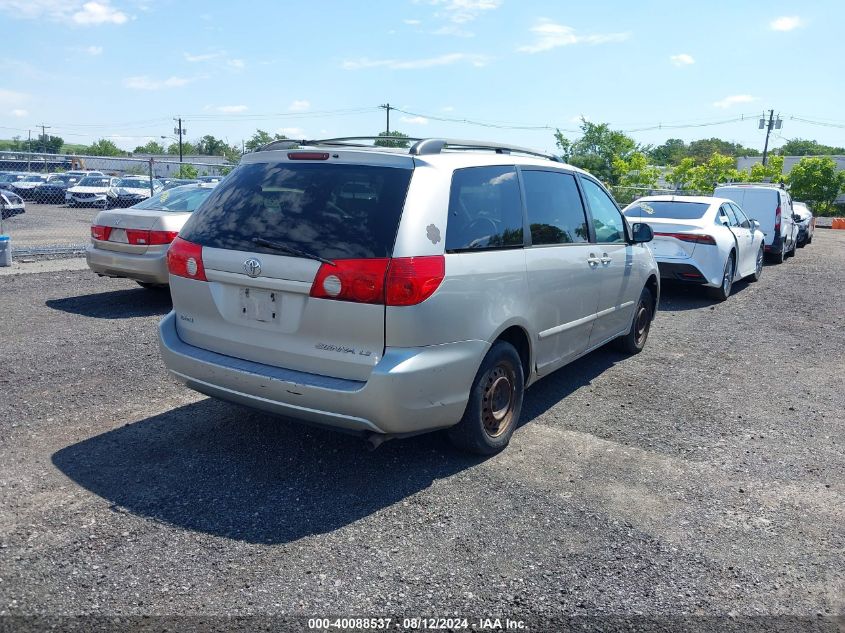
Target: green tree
(704, 177)
(260, 139)
(597, 149)
(702, 149)
(151, 147)
(389, 142)
(104, 147)
(637, 177)
(770, 173)
(804, 147)
(815, 180)
(211, 146)
(187, 148)
(672, 152)
(186, 171)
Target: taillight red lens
(777, 219)
(184, 259)
(696, 238)
(100, 232)
(402, 281)
(308, 155)
(162, 237)
(412, 280)
(357, 280)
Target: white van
(771, 206)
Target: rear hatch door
(256, 304)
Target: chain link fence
(49, 201)
(625, 195)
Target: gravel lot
(50, 225)
(703, 477)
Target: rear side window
(485, 209)
(335, 211)
(607, 219)
(555, 211)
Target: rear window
(180, 200)
(675, 210)
(307, 206)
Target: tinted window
(485, 209)
(607, 219)
(729, 213)
(302, 205)
(555, 211)
(645, 209)
(95, 181)
(740, 217)
(178, 200)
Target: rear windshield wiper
(260, 241)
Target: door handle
(605, 259)
(593, 261)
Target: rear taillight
(308, 156)
(184, 259)
(140, 237)
(412, 280)
(357, 280)
(696, 238)
(777, 220)
(100, 232)
(401, 281)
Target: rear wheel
(724, 290)
(634, 341)
(495, 401)
(809, 240)
(758, 269)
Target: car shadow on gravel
(117, 304)
(231, 472)
(676, 296)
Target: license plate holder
(259, 305)
(119, 236)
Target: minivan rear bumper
(409, 391)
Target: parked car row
(388, 293)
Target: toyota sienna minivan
(391, 292)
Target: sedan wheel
(724, 291)
(758, 270)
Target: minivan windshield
(334, 211)
(182, 199)
(673, 209)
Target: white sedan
(91, 191)
(701, 240)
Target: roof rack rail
(779, 185)
(420, 147)
(437, 145)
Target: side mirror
(796, 217)
(755, 225)
(641, 232)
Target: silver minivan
(391, 292)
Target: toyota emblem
(252, 267)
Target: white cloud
(203, 57)
(727, 102)
(19, 113)
(146, 83)
(453, 29)
(237, 64)
(447, 109)
(415, 120)
(300, 105)
(94, 50)
(414, 64)
(682, 59)
(232, 109)
(412, 22)
(12, 98)
(74, 11)
(786, 23)
(293, 132)
(99, 13)
(463, 11)
(550, 35)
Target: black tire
(758, 271)
(150, 286)
(778, 258)
(634, 341)
(499, 382)
(808, 241)
(724, 290)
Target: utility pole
(44, 129)
(386, 107)
(29, 142)
(773, 124)
(180, 131)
